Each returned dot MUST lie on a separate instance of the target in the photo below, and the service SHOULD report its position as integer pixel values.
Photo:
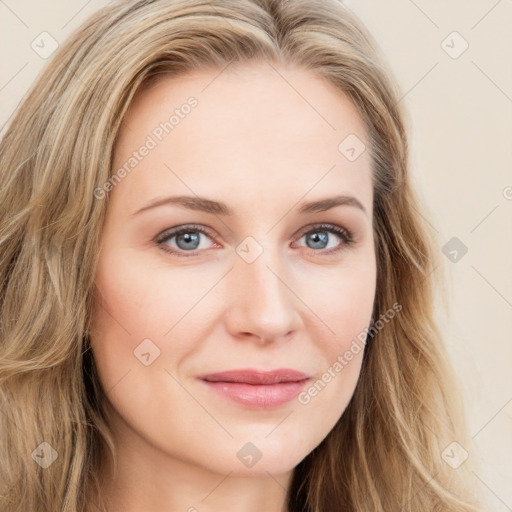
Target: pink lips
(257, 389)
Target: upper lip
(250, 376)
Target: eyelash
(344, 234)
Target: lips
(248, 376)
(256, 389)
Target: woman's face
(258, 281)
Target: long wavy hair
(385, 452)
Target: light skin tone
(264, 143)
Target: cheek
(344, 303)
(136, 300)
(347, 311)
(345, 306)
(126, 312)
(351, 309)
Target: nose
(261, 304)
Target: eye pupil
(188, 237)
(319, 237)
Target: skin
(264, 140)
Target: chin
(259, 457)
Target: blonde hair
(384, 454)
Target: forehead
(254, 130)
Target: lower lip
(258, 396)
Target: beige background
(461, 113)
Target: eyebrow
(219, 208)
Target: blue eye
(318, 236)
(187, 239)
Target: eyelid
(167, 233)
(327, 226)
